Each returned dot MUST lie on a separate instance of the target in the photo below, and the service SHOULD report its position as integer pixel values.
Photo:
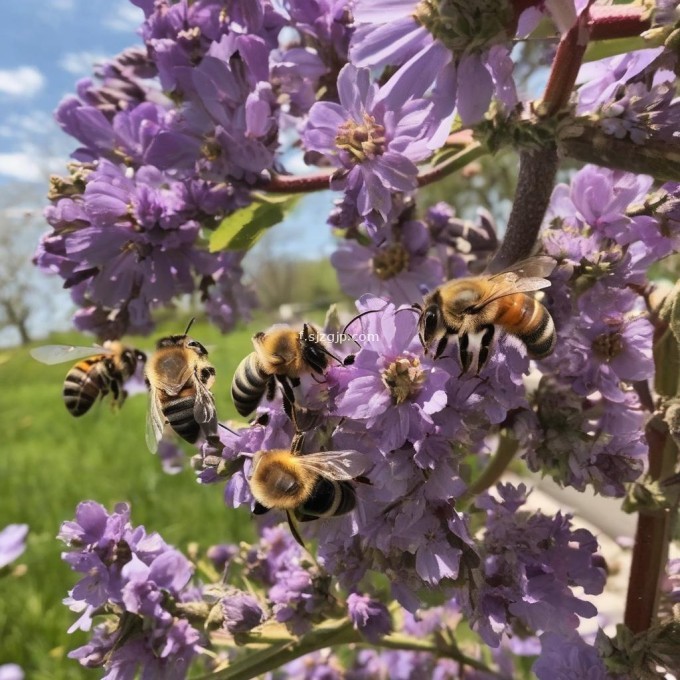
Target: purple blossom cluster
(139, 578)
(605, 229)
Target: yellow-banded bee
(104, 370)
(281, 354)
(477, 304)
(307, 486)
(179, 377)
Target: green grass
(50, 461)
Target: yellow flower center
(361, 140)
(403, 378)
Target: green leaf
(242, 229)
(610, 48)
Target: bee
(281, 354)
(103, 370)
(179, 378)
(307, 486)
(478, 304)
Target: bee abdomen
(179, 412)
(539, 335)
(249, 385)
(84, 383)
(328, 499)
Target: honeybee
(104, 370)
(281, 354)
(478, 304)
(307, 486)
(179, 377)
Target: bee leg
(485, 346)
(298, 441)
(288, 401)
(293, 529)
(271, 389)
(441, 346)
(464, 353)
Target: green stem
(406, 642)
(507, 448)
(458, 161)
(285, 648)
(338, 632)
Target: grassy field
(50, 461)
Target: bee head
(431, 327)
(196, 347)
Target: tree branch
(537, 170)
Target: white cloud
(21, 166)
(80, 63)
(24, 81)
(29, 166)
(125, 17)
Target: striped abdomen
(329, 498)
(87, 381)
(179, 412)
(530, 321)
(249, 384)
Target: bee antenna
(331, 355)
(357, 317)
(191, 323)
(413, 308)
(228, 429)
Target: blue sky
(45, 47)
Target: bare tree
(25, 293)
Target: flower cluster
(604, 232)
(138, 577)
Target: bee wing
(204, 409)
(538, 266)
(57, 354)
(155, 421)
(525, 276)
(336, 465)
(174, 387)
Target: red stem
(292, 184)
(651, 545)
(566, 65)
(617, 22)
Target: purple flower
(390, 386)
(568, 656)
(587, 441)
(130, 242)
(530, 564)
(370, 617)
(11, 671)
(397, 268)
(373, 138)
(12, 542)
(463, 50)
(607, 344)
(242, 612)
(132, 573)
(602, 78)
